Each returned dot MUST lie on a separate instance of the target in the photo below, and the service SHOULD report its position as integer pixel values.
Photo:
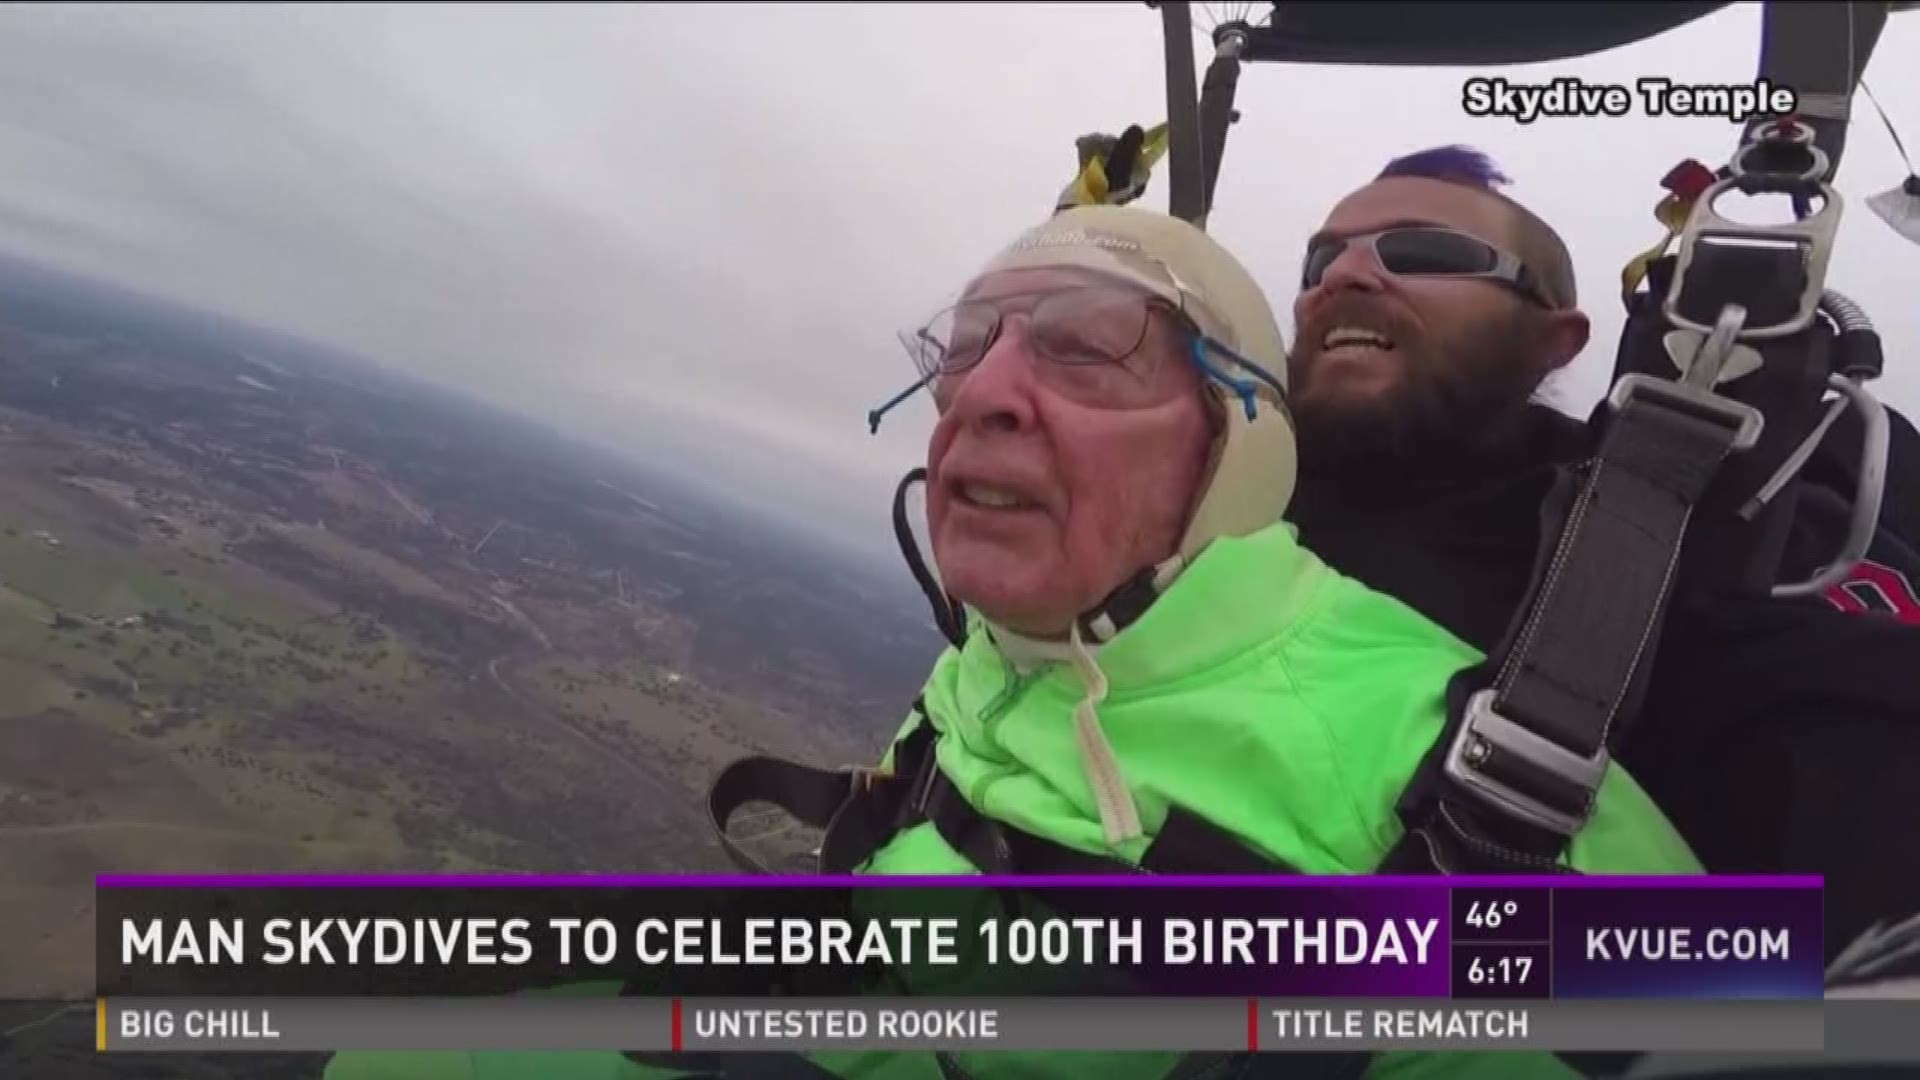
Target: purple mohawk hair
(1459, 164)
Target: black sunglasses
(1428, 251)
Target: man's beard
(1451, 410)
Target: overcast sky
(692, 230)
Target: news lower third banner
(743, 963)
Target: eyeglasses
(1428, 251)
(1089, 338)
(1090, 343)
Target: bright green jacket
(1264, 692)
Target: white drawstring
(1118, 814)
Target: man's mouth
(990, 497)
(1353, 341)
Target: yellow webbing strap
(1092, 186)
(1671, 212)
(1685, 183)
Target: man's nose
(997, 392)
(1354, 268)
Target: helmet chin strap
(948, 617)
(1123, 606)
(1102, 623)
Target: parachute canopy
(1457, 34)
(1818, 49)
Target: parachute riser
(1197, 127)
(1217, 113)
(1187, 186)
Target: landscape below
(265, 608)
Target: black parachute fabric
(1457, 34)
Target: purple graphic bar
(1680, 944)
(1555, 882)
(1699, 938)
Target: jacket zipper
(1009, 694)
(991, 714)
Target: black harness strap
(1190, 844)
(1581, 654)
(1531, 731)
(861, 810)
(813, 796)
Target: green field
(167, 705)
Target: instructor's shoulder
(1354, 618)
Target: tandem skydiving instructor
(1778, 736)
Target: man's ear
(1567, 332)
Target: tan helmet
(1252, 469)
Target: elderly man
(1154, 659)
(1779, 737)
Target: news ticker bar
(255, 1025)
(1263, 937)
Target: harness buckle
(920, 789)
(861, 778)
(1782, 159)
(1484, 733)
(1745, 420)
(1694, 392)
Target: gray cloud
(692, 230)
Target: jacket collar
(1238, 594)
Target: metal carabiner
(1812, 237)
